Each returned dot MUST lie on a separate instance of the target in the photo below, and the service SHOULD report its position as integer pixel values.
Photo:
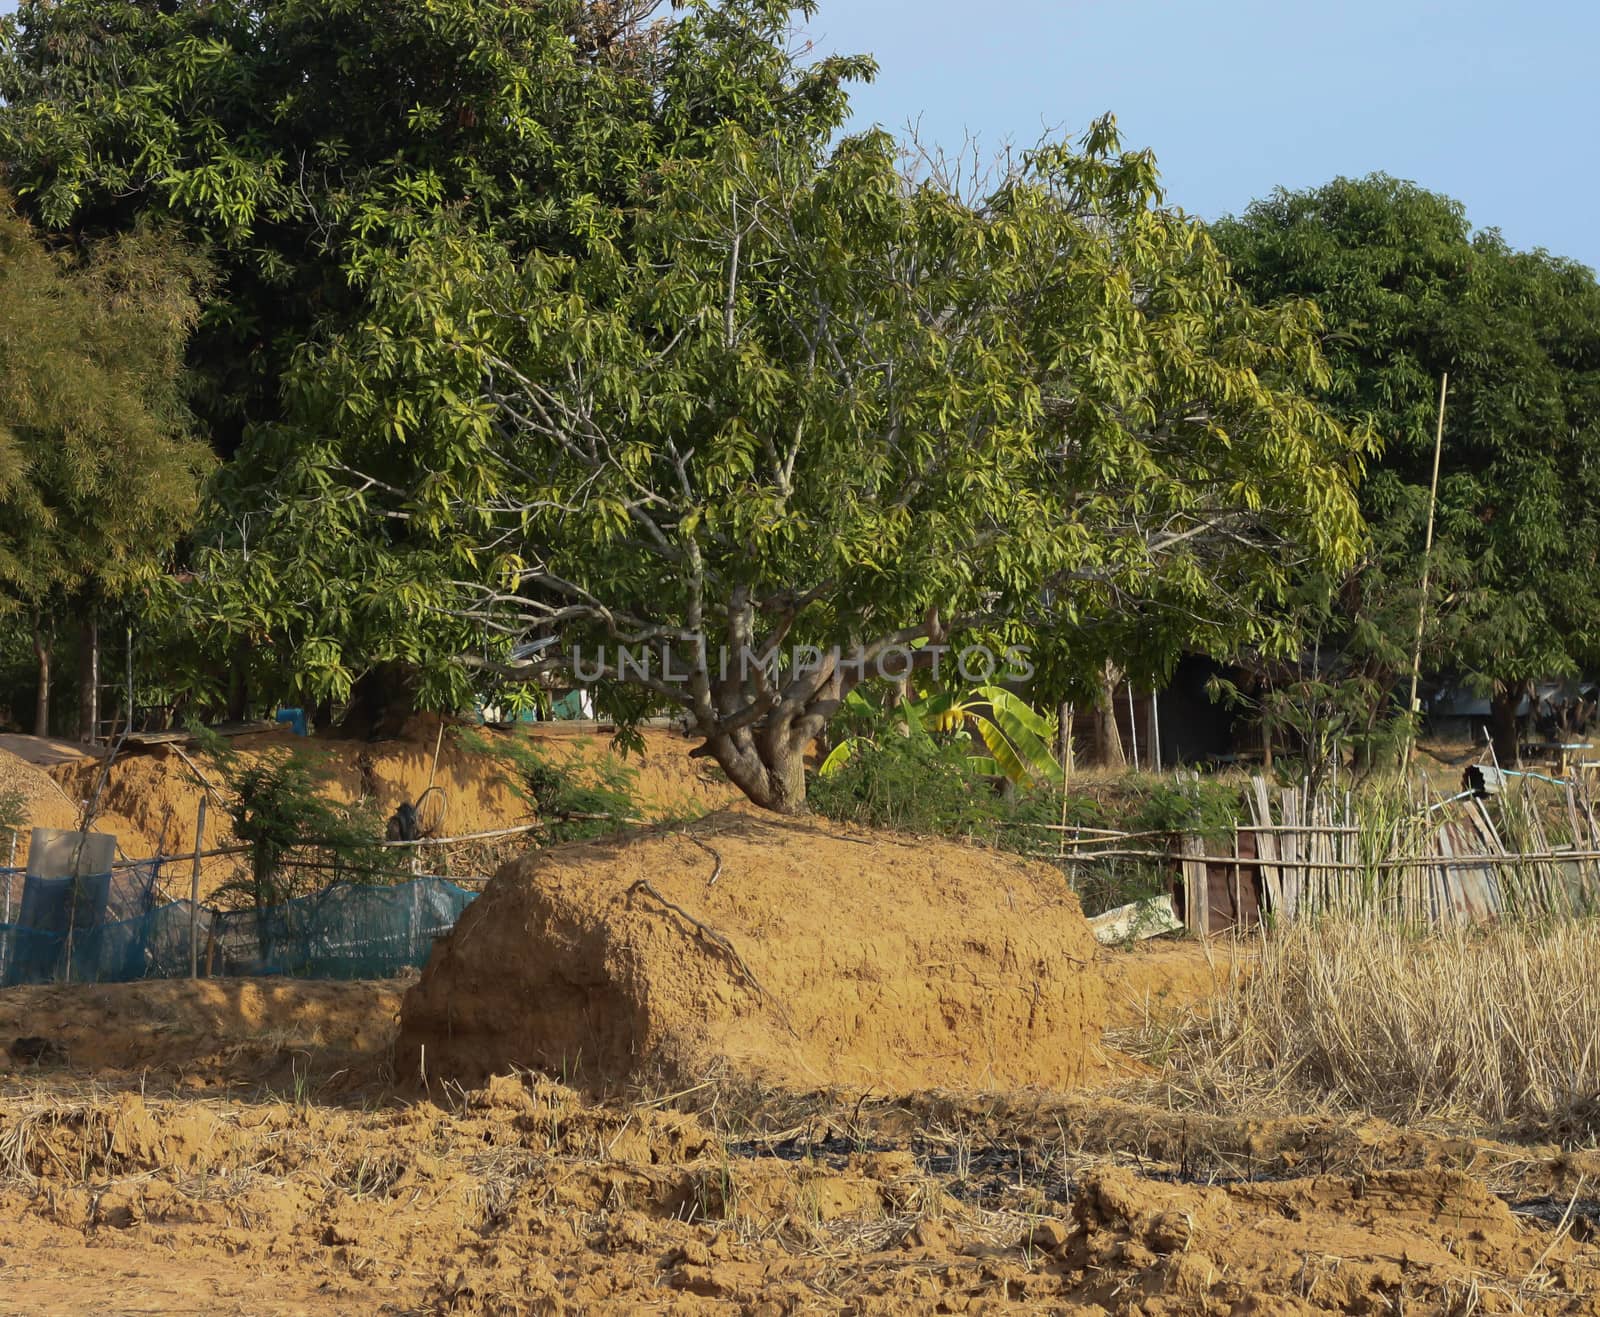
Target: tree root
(710, 850)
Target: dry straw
(1492, 1027)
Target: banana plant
(1017, 736)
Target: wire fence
(1433, 860)
(347, 931)
(127, 923)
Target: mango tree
(813, 423)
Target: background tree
(810, 405)
(1045, 415)
(303, 143)
(99, 468)
(1409, 292)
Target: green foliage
(733, 466)
(99, 470)
(1107, 884)
(13, 811)
(596, 331)
(299, 841)
(309, 145)
(571, 801)
(905, 775)
(1408, 292)
(928, 784)
(1200, 806)
(921, 784)
(1017, 737)
(1316, 712)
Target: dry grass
(1493, 1028)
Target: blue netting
(346, 932)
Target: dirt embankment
(215, 1034)
(794, 952)
(50, 799)
(151, 798)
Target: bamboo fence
(1411, 855)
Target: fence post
(8, 940)
(1238, 887)
(194, 891)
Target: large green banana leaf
(1018, 737)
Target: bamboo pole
(194, 891)
(1112, 834)
(1427, 566)
(1433, 860)
(434, 767)
(10, 939)
(1133, 727)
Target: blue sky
(1496, 104)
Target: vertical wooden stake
(1061, 836)
(1238, 887)
(1427, 564)
(194, 891)
(434, 767)
(1133, 726)
(11, 865)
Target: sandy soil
(237, 1148)
(269, 1147)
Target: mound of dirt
(1381, 1243)
(790, 952)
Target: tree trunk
(770, 770)
(381, 701)
(41, 701)
(1108, 740)
(89, 678)
(1503, 705)
(1064, 738)
(786, 780)
(238, 690)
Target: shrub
(13, 811)
(1201, 806)
(920, 783)
(299, 841)
(927, 784)
(572, 801)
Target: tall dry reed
(1489, 1027)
